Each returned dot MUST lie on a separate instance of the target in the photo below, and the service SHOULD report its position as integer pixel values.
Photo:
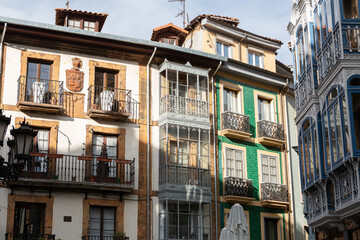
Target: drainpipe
(1, 49)
(214, 149)
(148, 148)
(286, 155)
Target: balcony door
(105, 92)
(271, 228)
(266, 110)
(230, 101)
(29, 220)
(104, 146)
(37, 82)
(102, 222)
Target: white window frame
(261, 59)
(236, 100)
(230, 55)
(269, 155)
(225, 164)
(271, 112)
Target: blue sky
(137, 18)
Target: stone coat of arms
(75, 77)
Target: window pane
(338, 131)
(356, 115)
(346, 128)
(327, 141)
(311, 160)
(351, 9)
(250, 58)
(257, 60)
(226, 50)
(218, 48)
(332, 135)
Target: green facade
(251, 157)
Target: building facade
(324, 42)
(123, 142)
(254, 104)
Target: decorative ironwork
(352, 39)
(38, 90)
(93, 237)
(239, 187)
(184, 106)
(274, 192)
(28, 236)
(176, 174)
(235, 121)
(270, 130)
(112, 100)
(79, 169)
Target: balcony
(184, 106)
(238, 190)
(175, 174)
(274, 195)
(78, 172)
(235, 125)
(270, 133)
(111, 103)
(93, 237)
(26, 236)
(40, 95)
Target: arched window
(335, 126)
(354, 111)
(308, 151)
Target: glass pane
(226, 51)
(351, 9)
(327, 141)
(306, 142)
(346, 128)
(302, 161)
(111, 80)
(311, 159)
(99, 78)
(218, 48)
(257, 60)
(45, 71)
(356, 115)
(332, 135)
(250, 58)
(329, 16)
(338, 131)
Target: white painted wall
(130, 216)
(4, 192)
(68, 204)
(155, 217)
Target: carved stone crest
(75, 77)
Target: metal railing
(239, 187)
(235, 121)
(184, 106)
(352, 40)
(28, 236)
(40, 91)
(176, 174)
(274, 192)
(93, 237)
(79, 169)
(112, 100)
(270, 130)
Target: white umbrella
(236, 226)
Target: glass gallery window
(183, 89)
(309, 157)
(354, 110)
(350, 9)
(184, 220)
(300, 50)
(335, 126)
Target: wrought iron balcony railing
(93, 237)
(112, 100)
(176, 174)
(274, 192)
(79, 169)
(352, 40)
(270, 130)
(42, 91)
(235, 121)
(28, 236)
(184, 106)
(239, 187)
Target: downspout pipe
(148, 147)
(1, 47)
(214, 149)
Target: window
(29, 219)
(104, 146)
(354, 110)
(309, 157)
(40, 145)
(351, 9)
(102, 222)
(90, 26)
(235, 163)
(171, 41)
(74, 23)
(265, 109)
(37, 81)
(184, 220)
(335, 126)
(231, 100)
(255, 59)
(224, 49)
(271, 228)
(269, 169)
(107, 96)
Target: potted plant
(120, 236)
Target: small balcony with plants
(270, 133)
(235, 125)
(40, 95)
(238, 190)
(111, 103)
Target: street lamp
(20, 148)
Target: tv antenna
(181, 13)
